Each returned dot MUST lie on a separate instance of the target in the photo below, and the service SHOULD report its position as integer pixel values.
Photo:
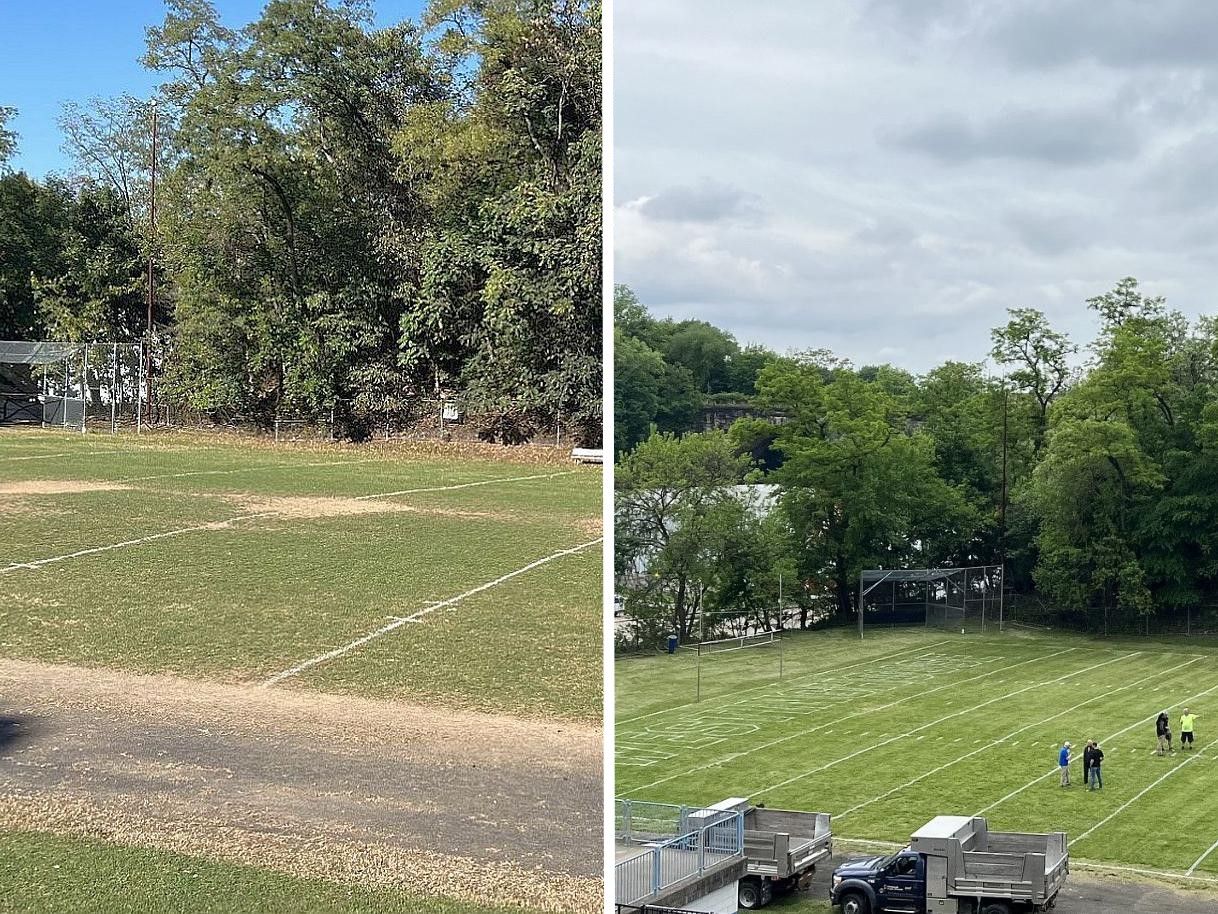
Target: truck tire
(855, 903)
(750, 893)
(995, 907)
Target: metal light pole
(151, 246)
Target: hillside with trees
(1090, 472)
(348, 218)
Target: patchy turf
(241, 560)
(888, 732)
(44, 874)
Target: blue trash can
(672, 644)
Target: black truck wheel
(855, 903)
(995, 907)
(750, 893)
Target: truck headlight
(837, 880)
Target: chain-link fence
(1034, 611)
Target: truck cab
(896, 883)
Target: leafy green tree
(705, 350)
(8, 138)
(1041, 356)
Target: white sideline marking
(837, 669)
(825, 726)
(220, 524)
(1137, 796)
(37, 457)
(934, 723)
(414, 617)
(1201, 859)
(1054, 770)
(464, 485)
(998, 742)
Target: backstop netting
(956, 599)
(76, 386)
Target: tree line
(1090, 473)
(346, 216)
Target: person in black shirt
(1163, 732)
(1096, 781)
(1087, 755)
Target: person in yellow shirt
(1186, 729)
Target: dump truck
(782, 846)
(956, 865)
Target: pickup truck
(782, 847)
(956, 865)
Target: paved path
(377, 792)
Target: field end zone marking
(851, 665)
(816, 729)
(997, 742)
(1111, 736)
(1201, 859)
(414, 617)
(934, 723)
(1137, 796)
(221, 524)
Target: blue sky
(56, 51)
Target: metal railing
(681, 842)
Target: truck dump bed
(783, 843)
(965, 859)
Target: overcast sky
(885, 178)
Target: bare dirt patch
(480, 807)
(304, 507)
(57, 487)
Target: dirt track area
(1087, 893)
(476, 807)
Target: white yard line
(892, 704)
(36, 457)
(1109, 738)
(248, 469)
(999, 742)
(848, 666)
(220, 524)
(933, 723)
(465, 485)
(214, 525)
(1137, 796)
(1201, 859)
(414, 617)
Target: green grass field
(56, 875)
(908, 724)
(303, 555)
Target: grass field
(460, 578)
(268, 557)
(907, 724)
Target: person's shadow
(14, 730)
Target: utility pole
(151, 247)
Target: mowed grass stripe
(907, 696)
(733, 699)
(977, 781)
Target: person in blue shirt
(1063, 761)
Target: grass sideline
(908, 724)
(254, 595)
(45, 874)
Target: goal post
(950, 598)
(737, 656)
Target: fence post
(139, 392)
